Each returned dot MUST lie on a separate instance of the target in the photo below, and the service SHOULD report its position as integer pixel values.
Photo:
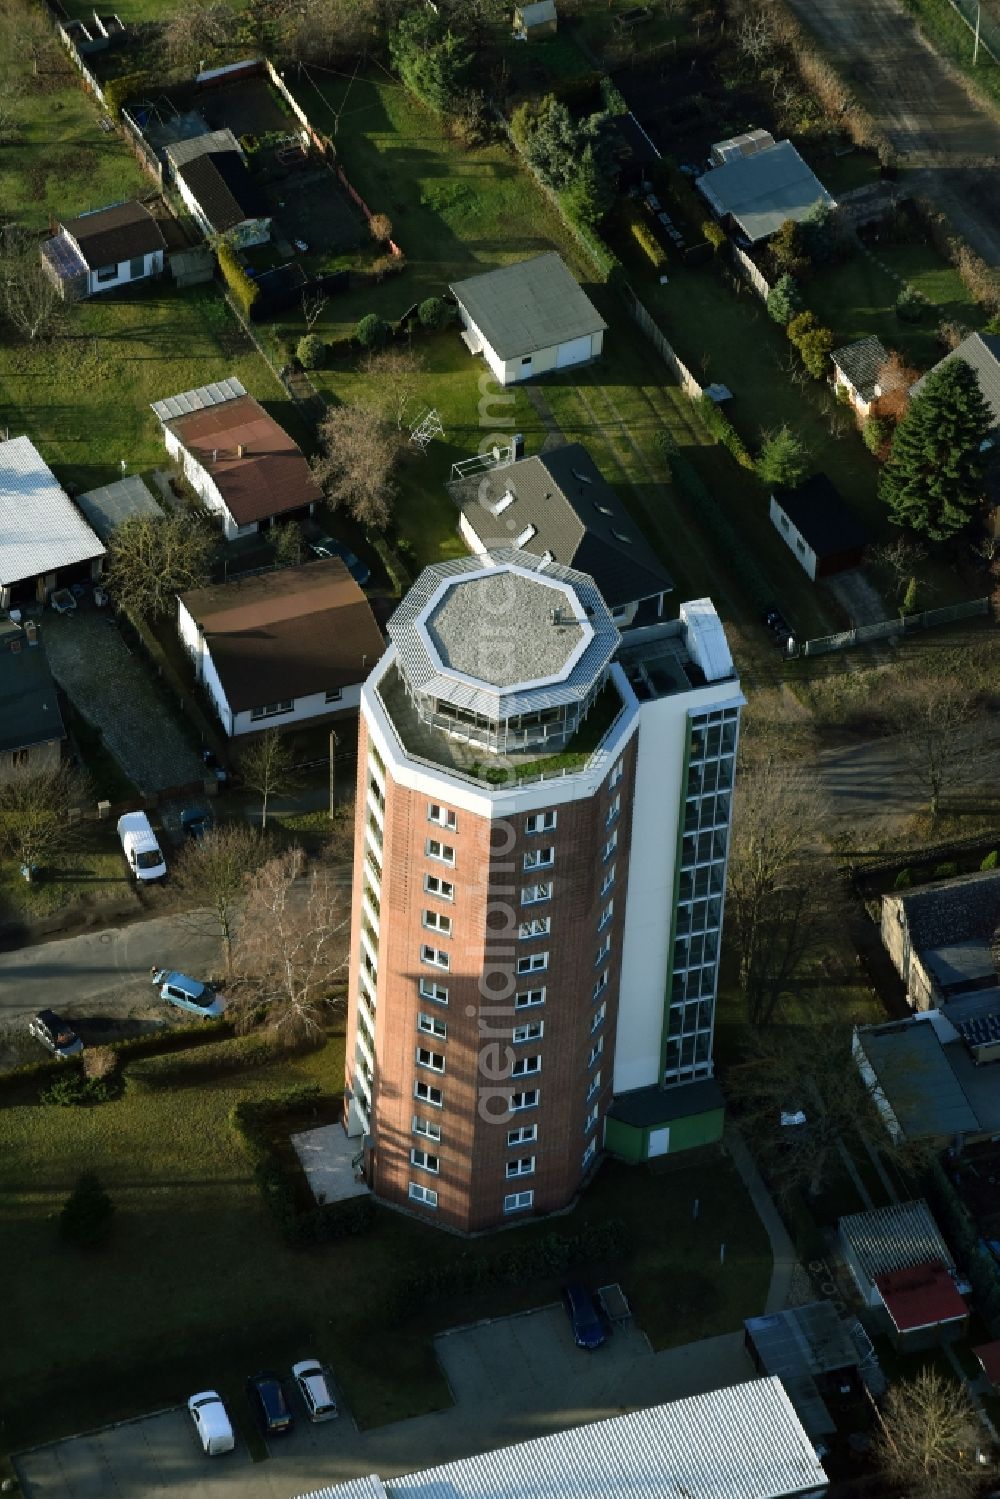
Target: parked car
(141, 848)
(775, 621)
(267, 1399)
(188, 993)
(212, 1423)
(55, 1034)
(197, 821)
(327, 546)
(313, 1385)
(584, 1318)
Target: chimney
(31, 631)
(241, 450)
(215, 455)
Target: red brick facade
(471, 1183)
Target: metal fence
(887, 629)
(989, 31)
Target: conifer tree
(933, 477)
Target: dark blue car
(584, 1318)
(269, 1404)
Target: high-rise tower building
(542, 832)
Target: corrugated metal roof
(355, 1488)
(745, 1442)
(894, 1238)
(763, 190)
(706, 639)
(41, 529)
(531, 305)
(215, 394)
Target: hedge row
(198, 1063)
(158, 1043)
(547, 1256)
(244, 291)
(322, 1224)
(723, 430)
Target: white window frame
(595, 1085)
(609, 879)
(533, 928)
(601, 983)
(533, 962)
(442, 889)
(596, 1051)
(427, 1129)
(442, 817)
(426, 1093)
(525, 1134)
(517, 1202)
(541, 822)
(534, 895)
(434, 957)
(589, 1153)
(600, 1014)
(444, 853)
(529, 1099)
(437, 921)
(533, 1031)
(430, 1059)
(523, 1166)
(591, 1119)
(603, 951)
(419, 1193)
(272, 710)
(529, 999)
(526, 1067)
(428, 989)
(616, 774)
(422, 1160)
(609, 847)
(606, 915)
(430, 1025)
(539, 858)
(613, 810)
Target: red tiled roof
(272, 475)
(988, 1355)
(920, 1296)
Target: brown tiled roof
(110, 235)
(271, 477)
(223, 189)
(287, 633)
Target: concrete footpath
(786, 1266)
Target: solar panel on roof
(199, 399)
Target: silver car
(313, 1384)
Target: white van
(211, 1420)
(141, 848)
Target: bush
(714, 234)
(723, 430)
(75, 1090)
(647, 242)
(311, 352)
(910, 305)
(372, 332)
(903, 880)
(612, 97)
(875, 433)
(434, 313)
(380, 228)
(945, 871)
(243, 290)
(199, 1063)
(118, 91)
(85, 1220)
(990, 862)
(784, 300)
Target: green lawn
(196, 1288)
(92, 872)
(84, 398)
(64, 163)
(949, 34)
(858, 298)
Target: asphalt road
(949, 142)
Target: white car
(212, 1423)
(312, 1383)
(140, 846)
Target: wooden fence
(667, 353)
(749, 272)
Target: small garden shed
(534, 21)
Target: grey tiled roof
(29, 708)
(860, 363)
(952, 911)
(982, 352)
(577, 517)
(41, 529)
(531, 305)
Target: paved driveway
(115, 689)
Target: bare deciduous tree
(268, 767)
(900, 557)
(779, 888)
(291, 948)
(153, 558)
(29, 298)
(928, 1438)
(396, 372)
(323, 30)
(313, 303)
(356, 464)
(197, 33)
(380, 228)
(214, 872)
(755, 35)
(930, 716)
(38, 818)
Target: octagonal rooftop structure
(509, 638)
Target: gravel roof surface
(500, 629)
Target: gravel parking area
(115, 690)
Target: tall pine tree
(933, 478)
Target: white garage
(529, 318)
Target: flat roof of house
(961, 964)
(106, 507)
(895, 1238)
(861, 363)
(643, 1108)
(287, 633)
(41, 529)
(571, 510)
(270, 477)
(951, 911)
(982, 352)
(541, 10)
(920, 1296)
(222, 187)
(744, 1442)
(798, 1344)
(29, 706)
(764, 189)
(822, 517)
(915, 1074)
(108, 236)
(531, 305)
(542, 635)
